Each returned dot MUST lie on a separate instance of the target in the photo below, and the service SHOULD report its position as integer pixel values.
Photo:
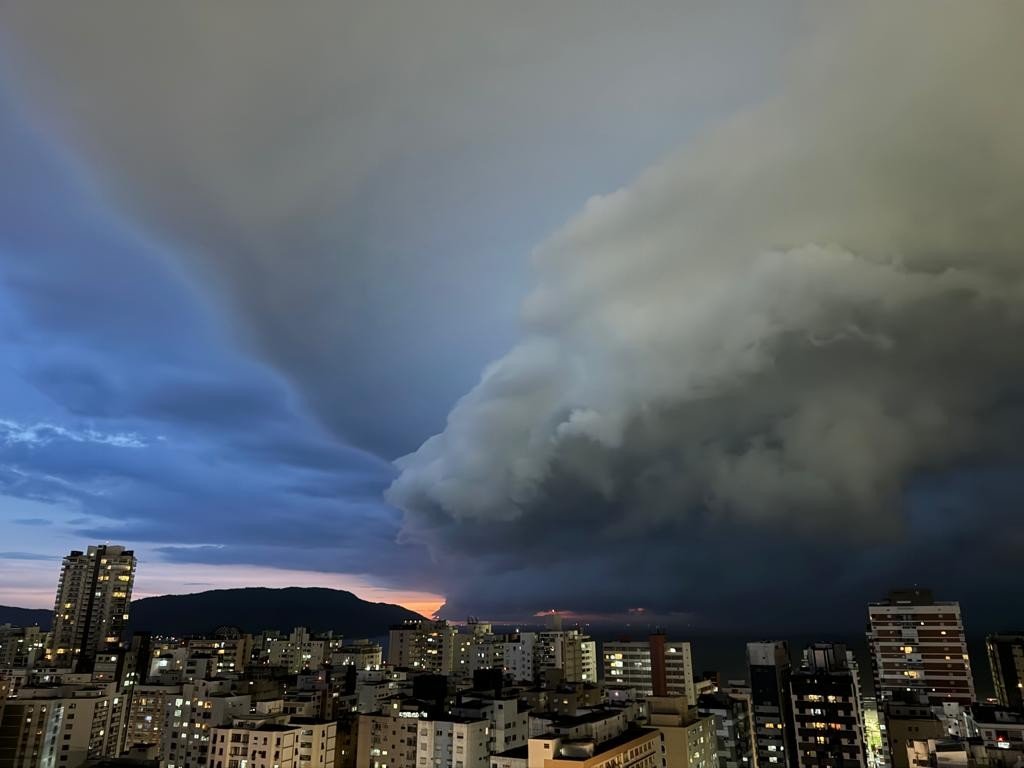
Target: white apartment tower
(91, 609)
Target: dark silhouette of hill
(26, 617)
(253, 609)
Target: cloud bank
(778, 368)
(754, 351)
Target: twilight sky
(710, 309)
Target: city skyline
(702, 313)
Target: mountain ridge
(252, 609)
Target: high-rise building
(918, 647)
(770, 669)
(570, 651)
(61, 726)
(1006, 660)
(423, 645)
(655, 667)
(91, 609)
(829, 726)
(732, 728)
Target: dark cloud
(736, 370)
(359, 182)
(778, 370)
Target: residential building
(294, 653)
(91, 608)
(655, 667)
(388, 739)
(60, 726)
(733, 727)
(998, 727)
(189, 718)
(361, 655)
(21, 647)
(769, 668)
(634, 748)
(1006, 660)
(905, 722)
(569, 651)
(918, 646)
(147, 708)
(230, 652)
(689, 738)
(508, 721)
(829, 726)
(452, 741)
(273, 742)
(422, 645)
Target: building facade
(1006, 660)
(91, 608)
(655, 667)
(829, 727)
(918, 647)
(770, 670)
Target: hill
(25, 617)
(252, 609)
(257, 608)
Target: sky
(705, 312)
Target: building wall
(1006, 660)
(918, 646)
(769, 669)
(91, 608)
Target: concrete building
(423, 645)
(733, 727)
(655, 667)
(91, 608)
(272, 742)
(147, 708)
(294, 653)
(453, 742)
(999, 727)
(1006, 660)
(829, 726)
(361, 655)
(21, 647)
(769, 667)
(230, 654)
(918, 646)
(599, 724)
(508, 721)
(689, 738)
(189, 718)
(569, 651)
(635, 748)
(60, 726)
(388, 739)
(904, 722)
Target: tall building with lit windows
(655, 667)
(827, 714)
(91, 609)
(770, 669)
(919, 649)
(423, 645)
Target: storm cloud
(782, 364)
(749, 356)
